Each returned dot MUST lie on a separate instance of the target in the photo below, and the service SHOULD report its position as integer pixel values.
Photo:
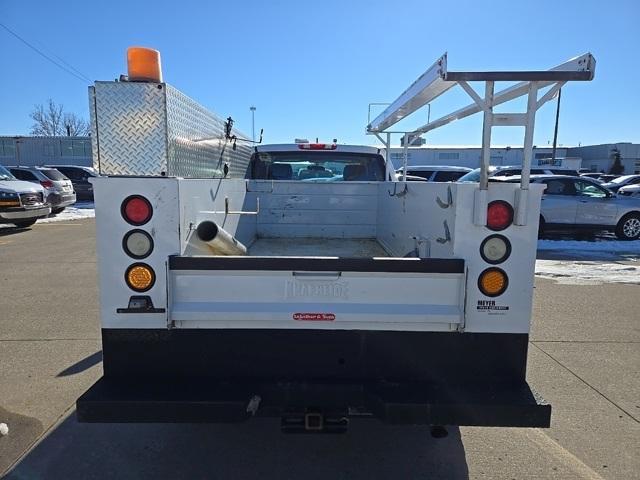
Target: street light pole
(253, 123)
(555, 131)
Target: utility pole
(253, 123)
(555, 131)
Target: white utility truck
(302, 281)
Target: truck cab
(318, 163)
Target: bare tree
(51, 120)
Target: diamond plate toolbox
(153, 129)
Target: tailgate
(316, 292)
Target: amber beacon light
(143, 65)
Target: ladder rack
(438, 79)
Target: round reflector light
(495, 249)
(499, 215)
(140, 277)
(137, 244)
(136, 210)
(493, 282)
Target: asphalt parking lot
(584, 358)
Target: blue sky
(312, 68)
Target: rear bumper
(198, 400)
(59, 200)
(205, 375)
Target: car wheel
(25, 224)
(56, 211)
(628, 227)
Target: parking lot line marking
(585, 341)
(585, 382)
(548, 444)
(5, 242)
(96, 339)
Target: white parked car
(617, 183)
(433, 173)
(21, 203)
(630, 191)
(58, 189)
(506, 173)
(579, 203)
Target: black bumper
(197, 400)
(437, 378)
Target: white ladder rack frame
(437, 80)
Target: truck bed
(317, 247)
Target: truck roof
(309, 147)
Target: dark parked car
(79, 176)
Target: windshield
(54, 174)
(5, 174)
(317, 167)
(474, 175)
(426, 174)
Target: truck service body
(302, 281)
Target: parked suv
(58, 189)
(21, 203)
(434, 173)
(579, 203)
(79, 177)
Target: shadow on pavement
(11, 230)
(255, 449)
(22, 432)
(84, 364)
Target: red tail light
(499, 215)
(46, 183)
(136, 210)
(317, 146)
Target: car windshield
(53, 174)
(426, 174)
(328, 166)
(623, 179)
(474, 175)
(5, 174)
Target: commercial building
(29, 151)
(594, 157)
(601, 157)
(77, 151)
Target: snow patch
(587, 273)
(584, 247)
(76, 211)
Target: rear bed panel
(327, 293)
